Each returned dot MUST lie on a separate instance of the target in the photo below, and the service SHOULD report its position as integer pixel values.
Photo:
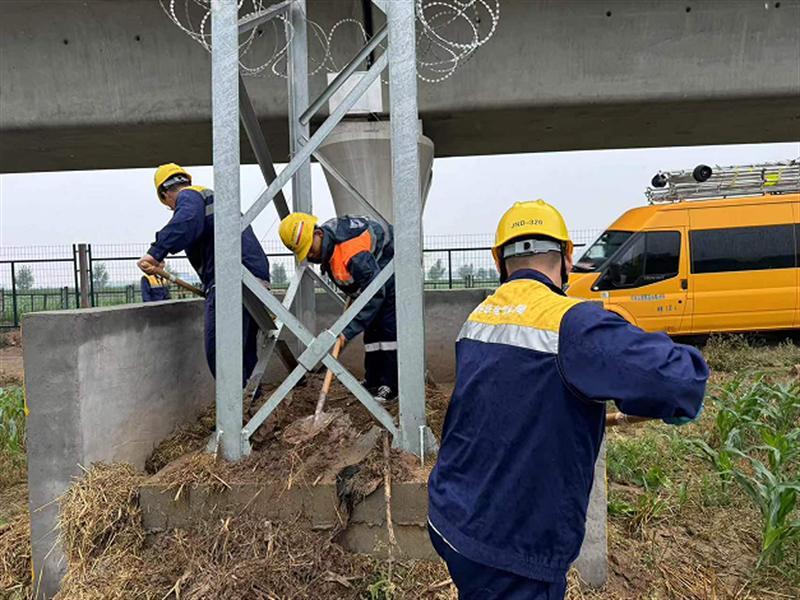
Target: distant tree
(99, 276)
(24, 278)
(483, 274)
(279, 276)
(466, 270)
(437, 271)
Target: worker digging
(352, 251)
(191, 230)
(534, 369)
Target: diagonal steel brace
(313, 143)
(325, 341)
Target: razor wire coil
(449, 32)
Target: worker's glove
(684, 420)
(148, 264)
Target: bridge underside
(101, 84)
(456, 134)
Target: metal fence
(42, 278)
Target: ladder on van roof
(705, 183)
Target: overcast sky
(468, 195)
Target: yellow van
(716, 250)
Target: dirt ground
(11, 364)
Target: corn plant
(775, 499)
(756, 443)
(739, 406)
(12, 420)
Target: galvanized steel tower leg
(227, 225)
(297, 68)
(408, 223)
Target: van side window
(742, 249)
(647, 258)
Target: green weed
(12, 420)
(12, 434)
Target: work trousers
(479, 582)
(249, 339)
(380, 344)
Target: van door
(742, 268)
(797, 263)
(646, 278)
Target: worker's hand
(148, 264)
(679, 421)
(342, 341)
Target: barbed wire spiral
(449, 32)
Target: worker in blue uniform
(352, 251)
(534, 369)
(154, 288)
(191, 230)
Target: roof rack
(704, 183)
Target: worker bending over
(191, 230)
(352, 251)
(534, 368)
(154, 288)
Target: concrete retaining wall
(103, 385)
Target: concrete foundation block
(105, 385)
(592, 563)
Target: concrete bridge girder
(100, 84)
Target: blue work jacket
(191, 229)
(354, 251)
(522, 433)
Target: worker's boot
(385, 394)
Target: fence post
(450, 269)
(91, 275)
(65, 297)
(83, 274)
(75, 273)
(14, 293)
(2, 301)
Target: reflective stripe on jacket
(354, 250)
(533, 368)
(191, 229)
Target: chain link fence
(41, 278)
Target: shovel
(308, 427)
(179, 282)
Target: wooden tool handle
(326, 385)
(618, 418)
(179, 282)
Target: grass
(729, 353)
(12, 435)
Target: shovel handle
(326, 384)
(618, 418)
(179, 282)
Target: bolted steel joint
(317, 350)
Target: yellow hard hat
(528, 219)
(297, 233)
(165, 173)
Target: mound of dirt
(273, 457)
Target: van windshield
(599, 252)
